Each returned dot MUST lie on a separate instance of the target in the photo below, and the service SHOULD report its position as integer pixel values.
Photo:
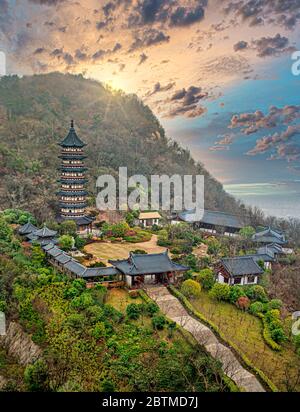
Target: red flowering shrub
(243, 303)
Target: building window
(237, 281)
(251, 279)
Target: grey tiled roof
(45, 232)
(63, 258)
(269, 235)
(75, 267)
(27, 228)
(240, 266)
(48, 247)
(101, 271)
(215, 218)
(55, 251)
(147, 264)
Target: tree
(220, 291)
(158, 322)
(66, 242)
(37, 256)
(236, 292)
(68, 227)
(247, 232)
(36, 376)
(133, 311)
(191, 288)
(119, 229)
(207, 278)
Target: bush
(274, 304)
(98, 331)
(158, 322)
(133, 311)
(220, 291)
(3, 306)
(66, 242)
(36, 377)
(256, 293)
(191, 288)
(75, 321)
(236, 292)
(207, 278)
(256, 308)
(243, 303)
(152, 308)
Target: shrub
(36, 376)
(256, 292)
(243, 303)
(220, 291)
(256, 308)
(274, 304)
(3, 306)
(188, 275)
(207, 278)
(158, 322)
(98, 331)
(236, 292)
(191, 288)
(152, 308)
(75, 321)
(278, 335)
(133, 311)
(83, 301)
(66, 242)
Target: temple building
(72, 194)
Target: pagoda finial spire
(72, 124)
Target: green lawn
(245, 331)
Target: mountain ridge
(35, 113)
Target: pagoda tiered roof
(67, 168)
(72, 193)
(72, 181)
(73, 205)
(72, 140)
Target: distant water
(276, 199)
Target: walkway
(174, 310)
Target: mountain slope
(120, 130)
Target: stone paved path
(174, 310)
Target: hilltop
(119, 130)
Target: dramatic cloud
(186, 102)
(184, 16)
(259, 12)
(271, 46)
(159, 88)
(252, 122)
(148, 38)
(266, 46)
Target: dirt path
(174, 310)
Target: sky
(217, 74)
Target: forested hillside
(119, 129)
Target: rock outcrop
(19, 345)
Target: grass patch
(245, 331)
(120, 250)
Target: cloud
(183, 16)
(158, 88)
(276, 140)
(252, 122)
(186, 102)
(47, 2)
(143, 58)
(241, 45)
(258, 12)
(39, 50)
(148, 38)
(271, 46)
